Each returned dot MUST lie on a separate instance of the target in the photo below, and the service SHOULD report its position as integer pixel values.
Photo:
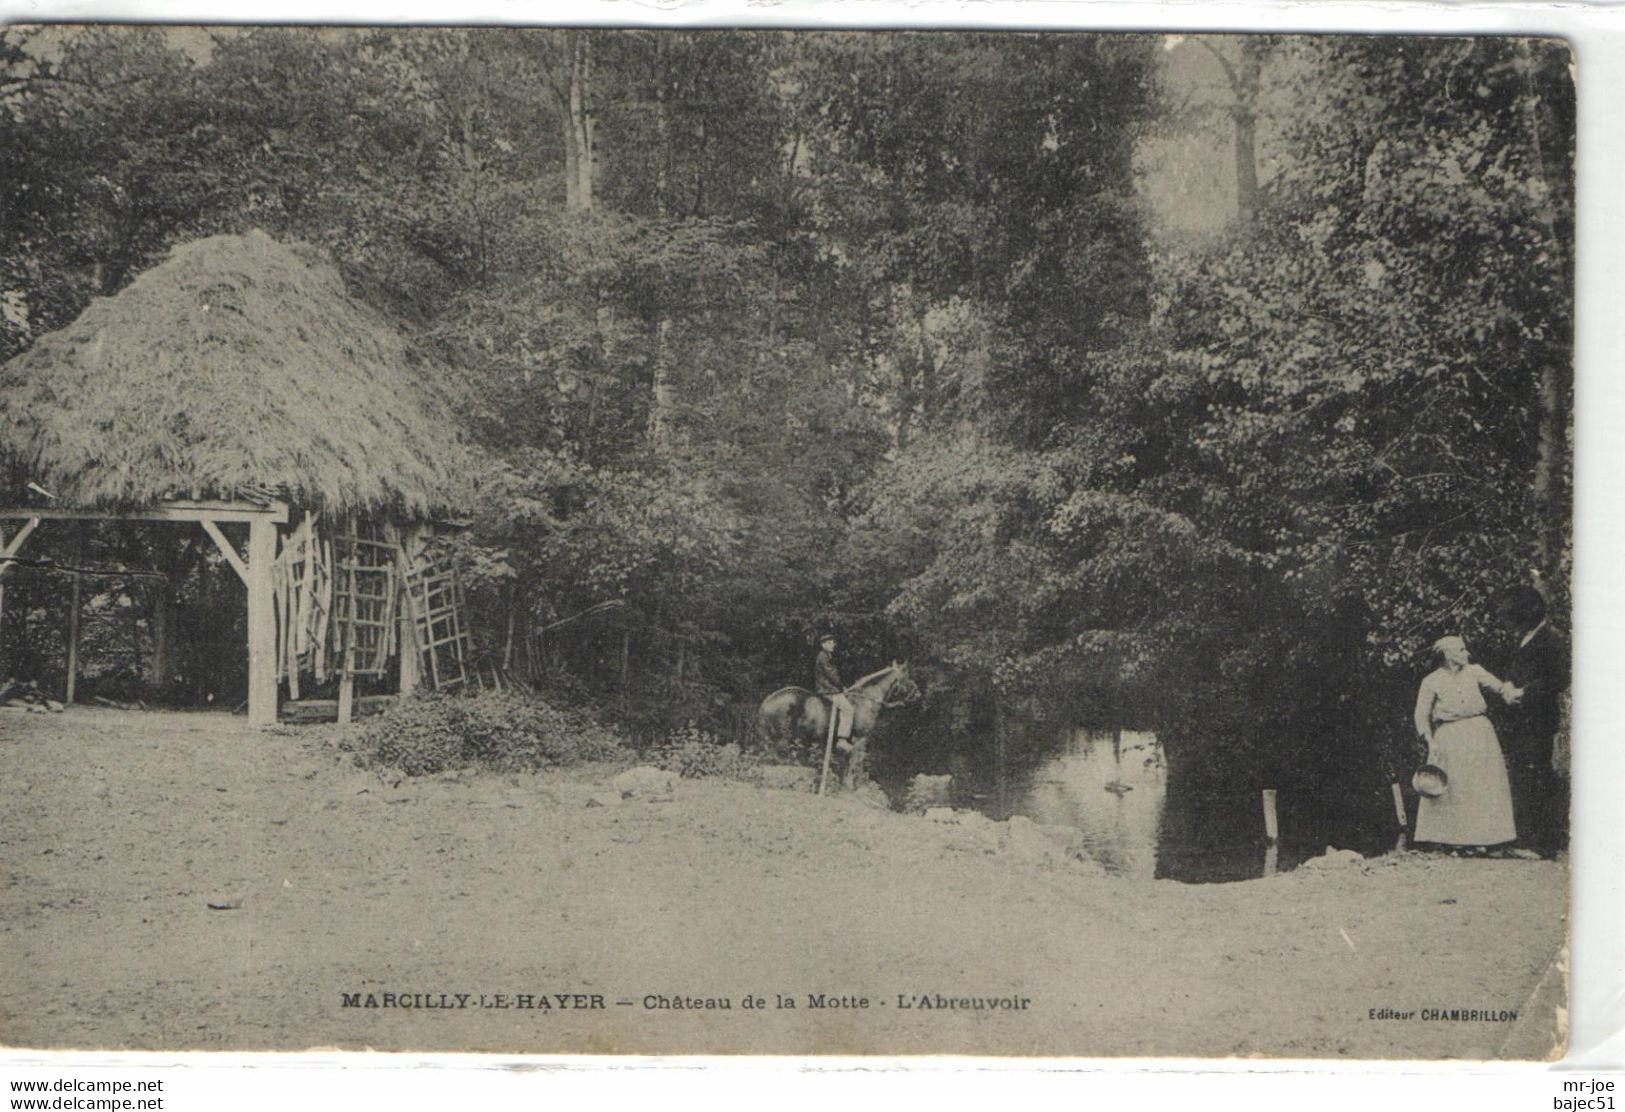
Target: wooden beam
(262, 687)
(187, 510)
(227, 549)
(407, 635)
(346, 697)
(16, 545)
(16, 542)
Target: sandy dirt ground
(120, 829)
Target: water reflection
(1111, 787)
(1144, 814)
(1135, 815)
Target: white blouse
(1449, 696)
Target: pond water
(1134, 815)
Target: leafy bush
(431, 733)
(695, 754)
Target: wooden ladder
(435, 602)
(363, 600)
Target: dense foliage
(765, 332)
(503, 731)
(696, 754)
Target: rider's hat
(827, 635)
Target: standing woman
(1476, 810)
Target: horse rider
(827, 682)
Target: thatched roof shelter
(236, 365)
(229, 383)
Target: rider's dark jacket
(826, 680)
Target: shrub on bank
(503, 731)
(696, 754)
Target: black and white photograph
(678, 541)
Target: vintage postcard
(785, 542)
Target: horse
(794, 713)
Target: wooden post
(10, 548)
(3, 570)
(73, 639)
(1001, 786)
(829, 748)
(159, 667)
(75, 598)
(409, 655)
(286, 656)
(1272, 832)
(407, 634)
(347, 689)
(347, 664)
(262, 661)
(1399, 814)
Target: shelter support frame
(255, 572)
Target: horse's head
(903, 689)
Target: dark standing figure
(827, 682)
(1540, 666)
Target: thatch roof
(238, 364)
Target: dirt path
(121, 828)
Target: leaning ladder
(363, 600)
(435, 602)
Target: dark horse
(794, 713)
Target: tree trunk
(507, 644)
(1243, 76)
(1245, 114)
(1001, 784)
(521, 603)
(928, 360)
(578, 122)
(602, 318)
(661, 399)
(626, 662)
(662, 127)
(699, 169)
(660, 404)
(1549, 485)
